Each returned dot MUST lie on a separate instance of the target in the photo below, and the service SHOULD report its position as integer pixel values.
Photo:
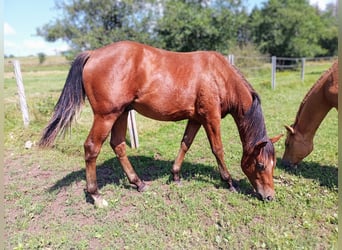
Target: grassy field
(46, 207)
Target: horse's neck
(312, 111)
(244, 105)
(250, 124)
(246, 138)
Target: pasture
(46, 207)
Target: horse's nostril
(269, 198)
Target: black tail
(69, 103)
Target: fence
(253, 66)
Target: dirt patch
(31, 205)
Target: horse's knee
(91, 151)
(120, 150)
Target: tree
(180, 25)
(91, 24)
(290, 28)
(186, 27)
(41, 57)
(329, 36)
(200, 25)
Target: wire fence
(255, 68)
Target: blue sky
(23, 17)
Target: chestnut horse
(168, 86)
(320, 99)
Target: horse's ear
(258, 146)
(290, 129)
(276, 138)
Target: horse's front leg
(190, 132)
(118, 144)
(92, 146)
(213, 130)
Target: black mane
(253, 123)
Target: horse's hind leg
(189, 134)
(118, 144)
(92, 146)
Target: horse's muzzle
(266, 198)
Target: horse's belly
(163, 113)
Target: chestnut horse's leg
(92, 146)
(118, 144)
(190, 132)
(213, 130)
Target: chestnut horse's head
(296, 147)
(258, 164)
(258, 158)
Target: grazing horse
(321, 98)
(168, 86)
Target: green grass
(46, 207)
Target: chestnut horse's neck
(248, 115)
(251, 125)
(316, 104)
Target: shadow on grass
(150, 169)
(327, 175)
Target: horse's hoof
(99, 202)
(143, 187)
(232, 189)
(179, 183)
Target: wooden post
(132, 127)
(274, 69)
(303, 69)
(21, 92)
(231, 59)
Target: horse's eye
(260, 166)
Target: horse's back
(161, 84)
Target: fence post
(274, 69)
(303, 69)
(21, 92)
(132, 127)
(231, 59)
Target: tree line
(290, 28)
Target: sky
(23, 17)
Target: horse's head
(296, 147)
(258, 164)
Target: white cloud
(38, 45)
(321, 3)
(8, 30)
(33, 46)
(19, 44)
(9, 44)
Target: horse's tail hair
(69, 104)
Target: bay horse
(320, 99)
(167, 86)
